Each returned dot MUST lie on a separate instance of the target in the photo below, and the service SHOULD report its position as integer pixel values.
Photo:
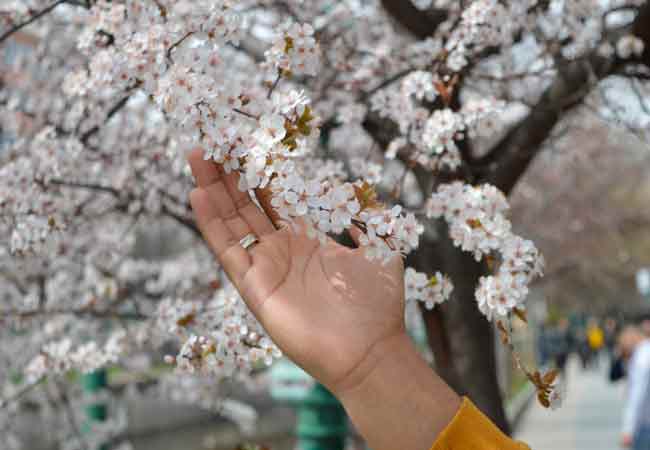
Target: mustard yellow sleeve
(471, 430)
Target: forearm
(398, 402)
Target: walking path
(589, 419)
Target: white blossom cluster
(221, 338)
(295, 51)
(483, 24)
(37, 214)
(478, 224)
(431, 291)
(629, 46)
(247, 129)
(434, 137)
(56, 358)
(581, 22)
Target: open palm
(326, 306)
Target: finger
(234, 259)
(258, 221)
(205, 172)
(227, 210)
(231, 181)
(208, 173)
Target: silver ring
(248, 241)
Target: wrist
(394, 385)
(372, 366)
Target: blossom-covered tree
(404, 124)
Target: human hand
(331, 310)
(327, 307)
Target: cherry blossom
(478, 224)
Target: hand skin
(330, 310)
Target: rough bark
(470, 335)
(437, 336)
(461, 339)
(514, 153)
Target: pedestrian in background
(582, 346)
(559, 345)
(544, 355)
(634, 347)
(616, 362)
(596, 340)
(611, 333)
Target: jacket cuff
(470, 429)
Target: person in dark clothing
(616, 361)
(611, 334)
(583, 349)
(559, 341)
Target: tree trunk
(426, 260)
(461, 338)
(471, 336)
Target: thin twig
(35, 17)
(91, 187)
(114, 110)
(244, 113)
(176, 44)
(22, 392)
(274, 85)
(85, 312)
(387, 82)
(546, 72)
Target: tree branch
(114, 110)
(4, 402)
(82, 312)
(35, 17)
(514, 153)
(91, 187)
(419, 23)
